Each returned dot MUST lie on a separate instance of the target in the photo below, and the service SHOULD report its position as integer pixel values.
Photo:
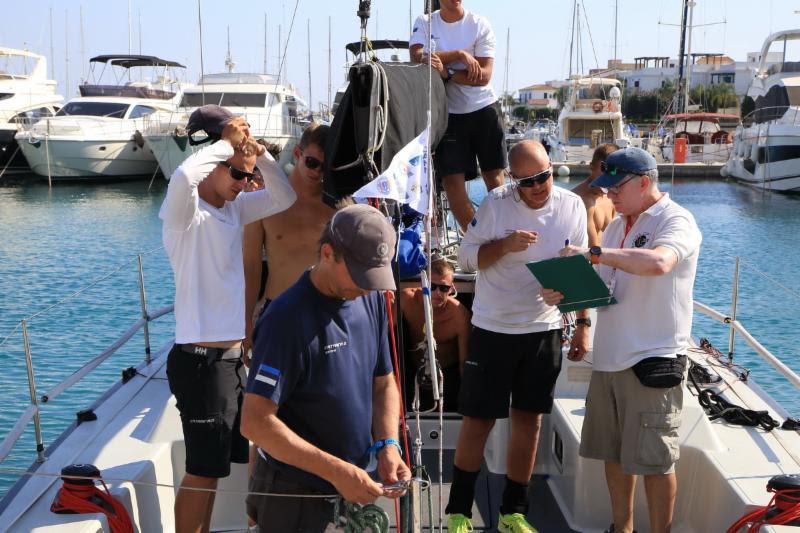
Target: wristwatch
(583, 322)
(594, 254)
(450, 74)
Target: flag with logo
(406, 177)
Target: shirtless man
(290, 238)
(451, 329)
(599, 209)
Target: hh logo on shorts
(267, 374)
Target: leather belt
(214, 354)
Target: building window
(636, 84)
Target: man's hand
(473, 67)
(519, 241)
(392, 468)
(355, 485)
(579, 345)
(574, 250)
(436, 63)
(236, 132)
(551, 296)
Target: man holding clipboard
(648, 259)
(514, 354)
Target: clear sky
(540, 32)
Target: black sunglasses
(536, 179)
(441, 287)
(312, 162)
(236, 173)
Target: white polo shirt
(472, 33)
(204, 244)
(507, 296)
(653, 316)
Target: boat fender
(138, 138)
(80, 495)
(597, 106)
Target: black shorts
(209, 397)
(285, 513)
(523, 367)
(478, 134)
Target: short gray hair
(652, 174)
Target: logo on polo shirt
(267, 374)
(333, 348)
(641, 240)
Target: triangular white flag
(406, 177)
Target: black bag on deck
(660, 372)
(384, 108)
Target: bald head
(528, 152)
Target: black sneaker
(611, 529)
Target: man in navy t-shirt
(322, 400)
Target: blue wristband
(376, 447)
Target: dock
(665, 170)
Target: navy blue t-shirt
(316, 357)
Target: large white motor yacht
(591, 116)
(766, 147)
(26, 95)
(98, 135)
(273, 110)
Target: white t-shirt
(472, 33)
(653, 316)
(204, 244)
(507, 296)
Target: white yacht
(274, 111)
(766, 147)
(98, 135)
(706, 140)
(591, 116)
(26, 95)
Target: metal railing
(33, 410)
(737, 327)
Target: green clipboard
(575, 278)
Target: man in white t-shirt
(463, 46)
(633, 408)
(204, 213)
(515, 346)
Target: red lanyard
(628, 226)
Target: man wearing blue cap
(648, 258)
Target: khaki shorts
(631, 424)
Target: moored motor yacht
(26, 95)
(98, 135)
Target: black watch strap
(583, 322)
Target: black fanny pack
(660, 372)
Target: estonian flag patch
(267, 374)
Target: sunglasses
(536, 179)
(614, 170)
(441, 287)
(312, 162)
(236, 173)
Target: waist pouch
(660, 372)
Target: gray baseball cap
(210, 119)
(368, 244)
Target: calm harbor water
(55, 242)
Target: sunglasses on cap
(441, 287)
(536, 179)
(312, 162)
(614, 170)
(236, 173)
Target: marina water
(54, 242)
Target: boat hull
(766, 156)
(88, 159)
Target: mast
(130, 34)
(265, 43)
(52, 49)
(308, 29)
(688, 58)
(572, 37)
(681, 54)
(329, 65)
(616, 20)
(66, 46)
(280, 44)
(229, 64)
(83, 50)
(505, 76)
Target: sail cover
(361, 133)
